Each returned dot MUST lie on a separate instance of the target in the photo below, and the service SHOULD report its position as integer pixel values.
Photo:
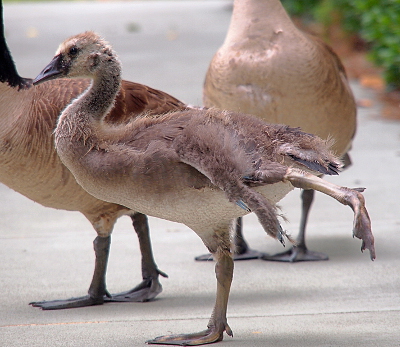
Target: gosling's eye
(73, 51)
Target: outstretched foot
(210, 335)
(296, 254)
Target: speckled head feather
(94, 47)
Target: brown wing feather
(135, 99)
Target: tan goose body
(199, 167)
(30, 165)
(27, 146)
(269, 68)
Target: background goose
(30, 166)
(269, 68)
(199, 167)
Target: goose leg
(241, 250)
(97, 290)
(300, 252)
(150, 287)
(218, 322)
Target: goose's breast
(179, 203)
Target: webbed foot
(296, 254)
(82, 301)
(147, 290)
(210, 335)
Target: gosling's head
(81, 55)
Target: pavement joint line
(197, 318)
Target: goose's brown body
(269, 68)
(30, 165)
(199, 167)
(27, 121)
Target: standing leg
(241, 251)
(150, 287)
(97, 290)
(218, 322)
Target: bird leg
(299, 251)
(241, 250)
(97, 290)
(346, 196)
(218, 322)
(150, 287)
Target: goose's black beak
(53, 70)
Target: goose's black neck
(8, 71)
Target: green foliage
(380, 25)
(376, 21)
(301, 8)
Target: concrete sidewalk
(47, 254)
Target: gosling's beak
(53, 70)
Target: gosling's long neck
(81, 118)
(99, 97)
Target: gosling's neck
(99, 98)
(83, 116)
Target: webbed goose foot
(296, 254)
(210, 335)
(242, 250)
(147, 290)
(82, 301)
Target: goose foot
(82, 301)
(210, 335)
(296, 254)
(249, 254)
(147, 290)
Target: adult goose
(31, 166)
(268, 67)
(200, 167)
